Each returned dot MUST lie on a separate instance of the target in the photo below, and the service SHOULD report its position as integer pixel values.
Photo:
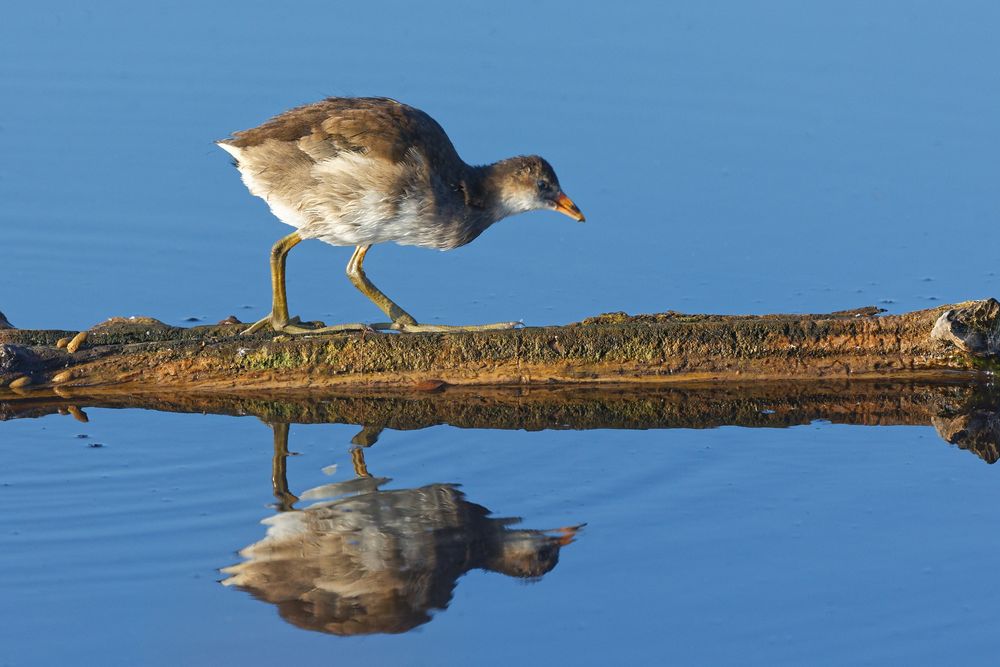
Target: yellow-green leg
(401, 320)
(356, 274)
(278, 318)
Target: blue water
(730, 157)
(819, 544)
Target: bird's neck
(488, 183)
(477, 201)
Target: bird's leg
(278, 319)
(401, 320)
(356, 274)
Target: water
(730, 158)
(820, 542)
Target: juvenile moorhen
(363, 170)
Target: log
(145, 355)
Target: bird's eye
(543, 185)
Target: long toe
(450, 328)
(268, 322)
(257, 326)
(335, 328)
(296, 327)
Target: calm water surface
(819, 543)
(730, 158)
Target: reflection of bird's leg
(367, 436)
(401, 320)
(279, 471)
(278, 318)
(358, 459)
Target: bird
(357, 171)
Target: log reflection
(964, 414)
(362, 559)
(977, 431)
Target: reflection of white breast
(356, 544)
(375, 525)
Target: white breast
(347, 199)
(259, 186)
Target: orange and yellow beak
(566, 206)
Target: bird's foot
(296, 327)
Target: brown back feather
(376, 126)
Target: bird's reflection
(362, 559)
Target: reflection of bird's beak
(567, 534)
(566, 206)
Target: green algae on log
(142, 354)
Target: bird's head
(529, 183)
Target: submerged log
(143, 354)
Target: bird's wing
(379, 128)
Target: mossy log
(145, 355)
